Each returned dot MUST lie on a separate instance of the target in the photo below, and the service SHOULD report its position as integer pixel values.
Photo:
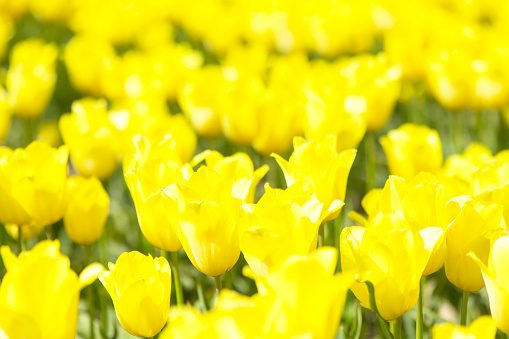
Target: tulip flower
(41, 291)
(140, 288)
(207, 213)
(281, 224)
(470, 230)
(495, 275)
(411, 149)
(86, 210)
(322, 168)
(391, 256)
(31, 77)
(91, 137)
(483, 327)
(32, 191)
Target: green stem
(419, 318)
(201, 295)
(176, 277)
(321, 235)
(28, 125)
(219, 286)
(20, 241)
(90, 294)
(370, 150)
(397, 328)
(464, 308)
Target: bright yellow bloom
(31, 77)
(86, 210)
(322, 168)
(33, 185)
(496, 278)
(483, 327)
(140, 288)
(91, 137)
(411, 149)
(53, 10)
(41, 289)
(17, 325)
(48, 132)
(391, 256)
(281, 224)
(147, 172)
(208, 211)
(470, 230)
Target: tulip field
(239, 169)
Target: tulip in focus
(411, 149)
(86, 209)
(140, 288)
(41, 292)
(483, 327)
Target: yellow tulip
(52, 11)
(41, 290)
(281, 224)
(91, 137)
(470, 230)
(31, 77)
(321, 167)
(16, 325)
(140, 288)
(48, 132)
(33, 187)
(411, 149)
(391, 256)
(86, 210)
(239, 167)
(496, 278)
(147, 172)
(207, 218)
(483, 327)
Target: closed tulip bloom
(31, 77)
(86, 210)
(140, 287)
(411, 149)
(42, 291)
(150, 169)
(321, 167)
(391, 256)
(496, 278)
(470, 230)
(91, 137)
(207, 218)
(483, 327)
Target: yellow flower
(496, 278)
(281, 224)
(140, 288)
(147, 172)
(33, 185)
(483, 327)
(48, 132)
(31, 77)
(208, 211)
(91, 137)
(41, 289)
(391, 256)
(53, 10)
(322, 168)
(16, 325)
(470, 230)
(411, 149)
(86, 209)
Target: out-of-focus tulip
(496, 278)
(391, 256)
(42, 291)
(281, 224)
(152, 168)
(411, 149)
(53, 10)
(470, 230)
(32, 191)
(91, 137)
(86, 209)
(322, 168)
(31, 77)
(239, 167)
(481, 328)
(208, 212)
(140, 288)
(48, 132)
